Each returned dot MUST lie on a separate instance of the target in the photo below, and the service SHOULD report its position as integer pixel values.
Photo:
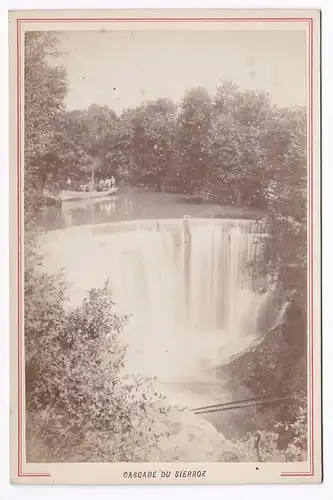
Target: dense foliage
(49, 151)
(279, 364)
(228, 148)
(233, 148)
(79, 406)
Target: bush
(266, 446)
(75, 390)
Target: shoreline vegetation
(236, 148)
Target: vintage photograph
(166, 246)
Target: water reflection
(109, 207)
(77, 213)
(131, 204)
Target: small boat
(85, 195)
(50, 198)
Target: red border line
(19, 252)
(311, 231)
(169, 19)
(311, 257)
(18, 80)
(19, 21)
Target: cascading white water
(186, 285)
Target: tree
(278, 365)
(285, 183)
(159, 141)
(236, 153)
(223, 169)
(90, 143)
(102, 123)
(69, 156)
(45, 87)
(193, 125)
(149, 141)
(284, 258)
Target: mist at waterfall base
(193, 304)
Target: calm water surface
(129, 204)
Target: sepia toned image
(169, 205)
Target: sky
(122, 68)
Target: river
(179, 268)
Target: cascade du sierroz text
(154, 474)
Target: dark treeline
(227, 148)
(234, 147)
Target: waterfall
(188, 288)
(185, 284)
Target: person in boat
(69, 184)
(90, 186)
(101, 184)
(113, 181)
(107, 183)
